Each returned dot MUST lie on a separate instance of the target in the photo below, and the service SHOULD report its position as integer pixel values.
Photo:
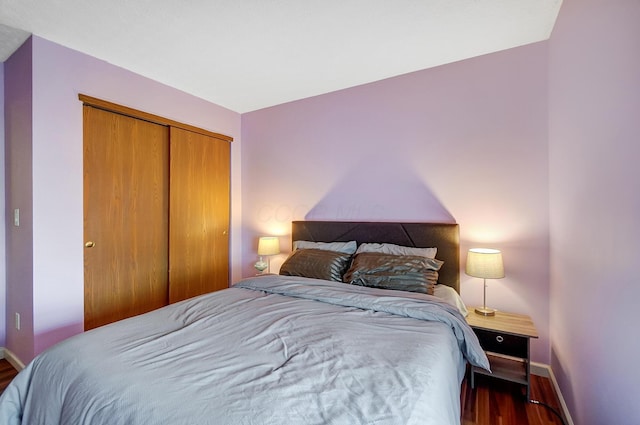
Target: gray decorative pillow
(316, 263)
(397, 272)
(345, 247)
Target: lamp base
(486, 311)
(260, 265)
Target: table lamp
(487, 264)
(267, 245)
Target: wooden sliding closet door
(126, 180)
(199, 214)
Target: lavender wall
(3, 275)
(595, 205)
(59, 74)
(18, 97)
(465, 142)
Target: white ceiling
(250, 54)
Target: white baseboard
(11, 358)
(541, 369)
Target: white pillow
(389, 248)
(450, 295)
(344, 247)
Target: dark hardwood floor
(7, 373)
(497, 402)
(492, 402)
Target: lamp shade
(485, 263)
(268, 245)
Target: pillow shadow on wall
(383, 193)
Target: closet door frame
(134, 113)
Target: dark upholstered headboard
(443, 236)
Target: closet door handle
(89, 244)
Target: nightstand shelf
(506, 368)
(506, 339)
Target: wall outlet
(18, 321)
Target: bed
(276, 349)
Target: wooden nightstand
(506, 339)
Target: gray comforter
(271, 350)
